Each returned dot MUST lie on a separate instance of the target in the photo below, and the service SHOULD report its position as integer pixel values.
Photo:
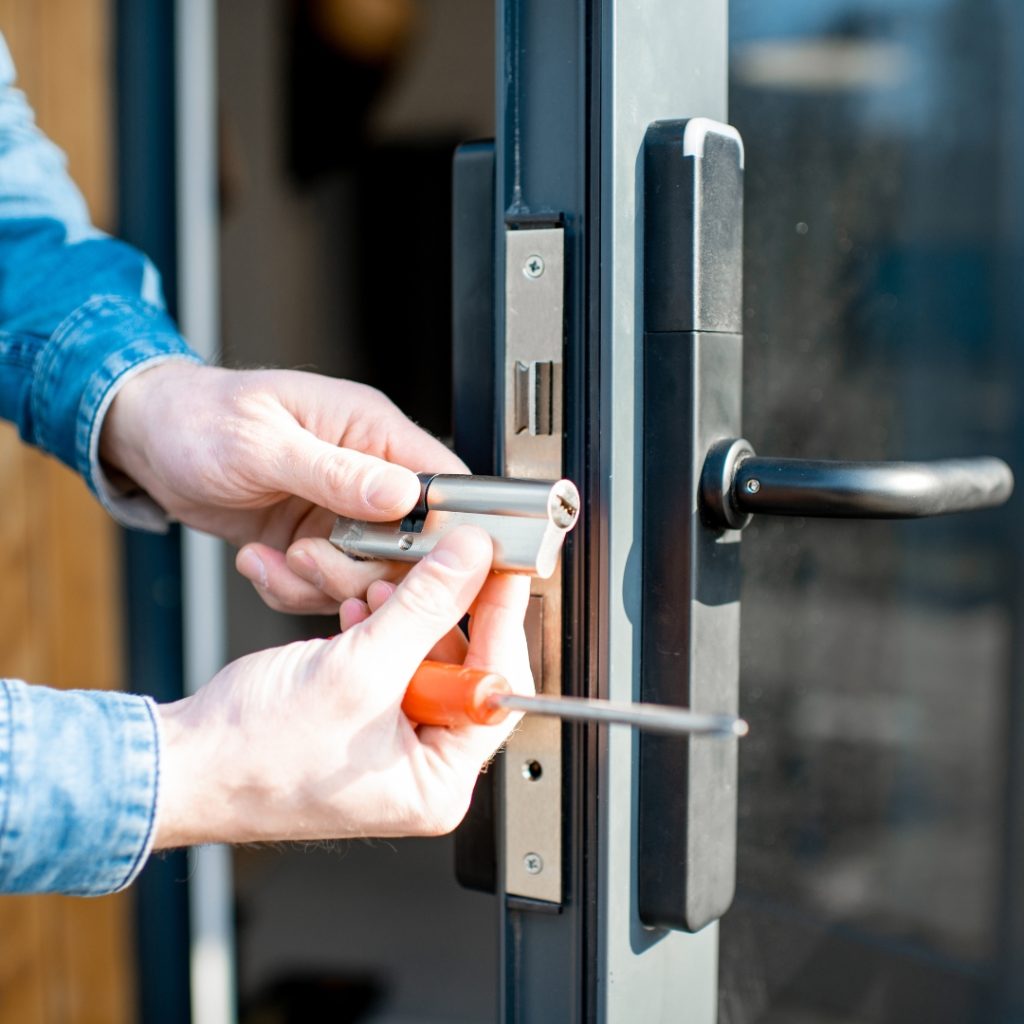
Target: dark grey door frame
(545, 148)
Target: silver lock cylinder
(527, 521)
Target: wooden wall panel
(62, 961)
(62, 49)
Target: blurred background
(881, 866)
(334, 126)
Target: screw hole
(532, 771)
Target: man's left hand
(266, 458)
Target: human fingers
(352, 612)
(365, 419)
(346, 481)
(450, 648)
(377, 593)
(497, 644)
(317, 561)
(426, 606)
(265, 568)
(497, 639)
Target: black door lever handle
(736, 483)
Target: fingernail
(462, 549)
(308, 568)
(252, 568)
(352, 612)
(380, 590)
(388, 489)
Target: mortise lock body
(527, 521)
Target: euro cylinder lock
(527, 521)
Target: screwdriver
(442, 694)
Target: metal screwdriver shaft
(454, 695)
(648, 717)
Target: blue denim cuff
(79, 775)
(92, 349)
(136, 509)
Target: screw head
(534, 863)
(534, 266)
(753, 486)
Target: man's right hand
(309, 741)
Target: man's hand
(264, 458)
(309, 741)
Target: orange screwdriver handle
(441, 694)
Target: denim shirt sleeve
(78, 788)
(80, 312)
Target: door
(878, 851)
(577, 87)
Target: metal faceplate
(534, 341)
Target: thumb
(427, 605)
(348, 482)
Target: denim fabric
(78, 788)
(80, 313)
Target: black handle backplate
(689, 629)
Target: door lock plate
(534, 340)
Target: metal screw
(534, 266)
(533, 863)
(405, 542)
(753, 486)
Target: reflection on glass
(879, 860)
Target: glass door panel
(879, 862)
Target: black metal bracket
(474, 425)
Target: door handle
(736, 483)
